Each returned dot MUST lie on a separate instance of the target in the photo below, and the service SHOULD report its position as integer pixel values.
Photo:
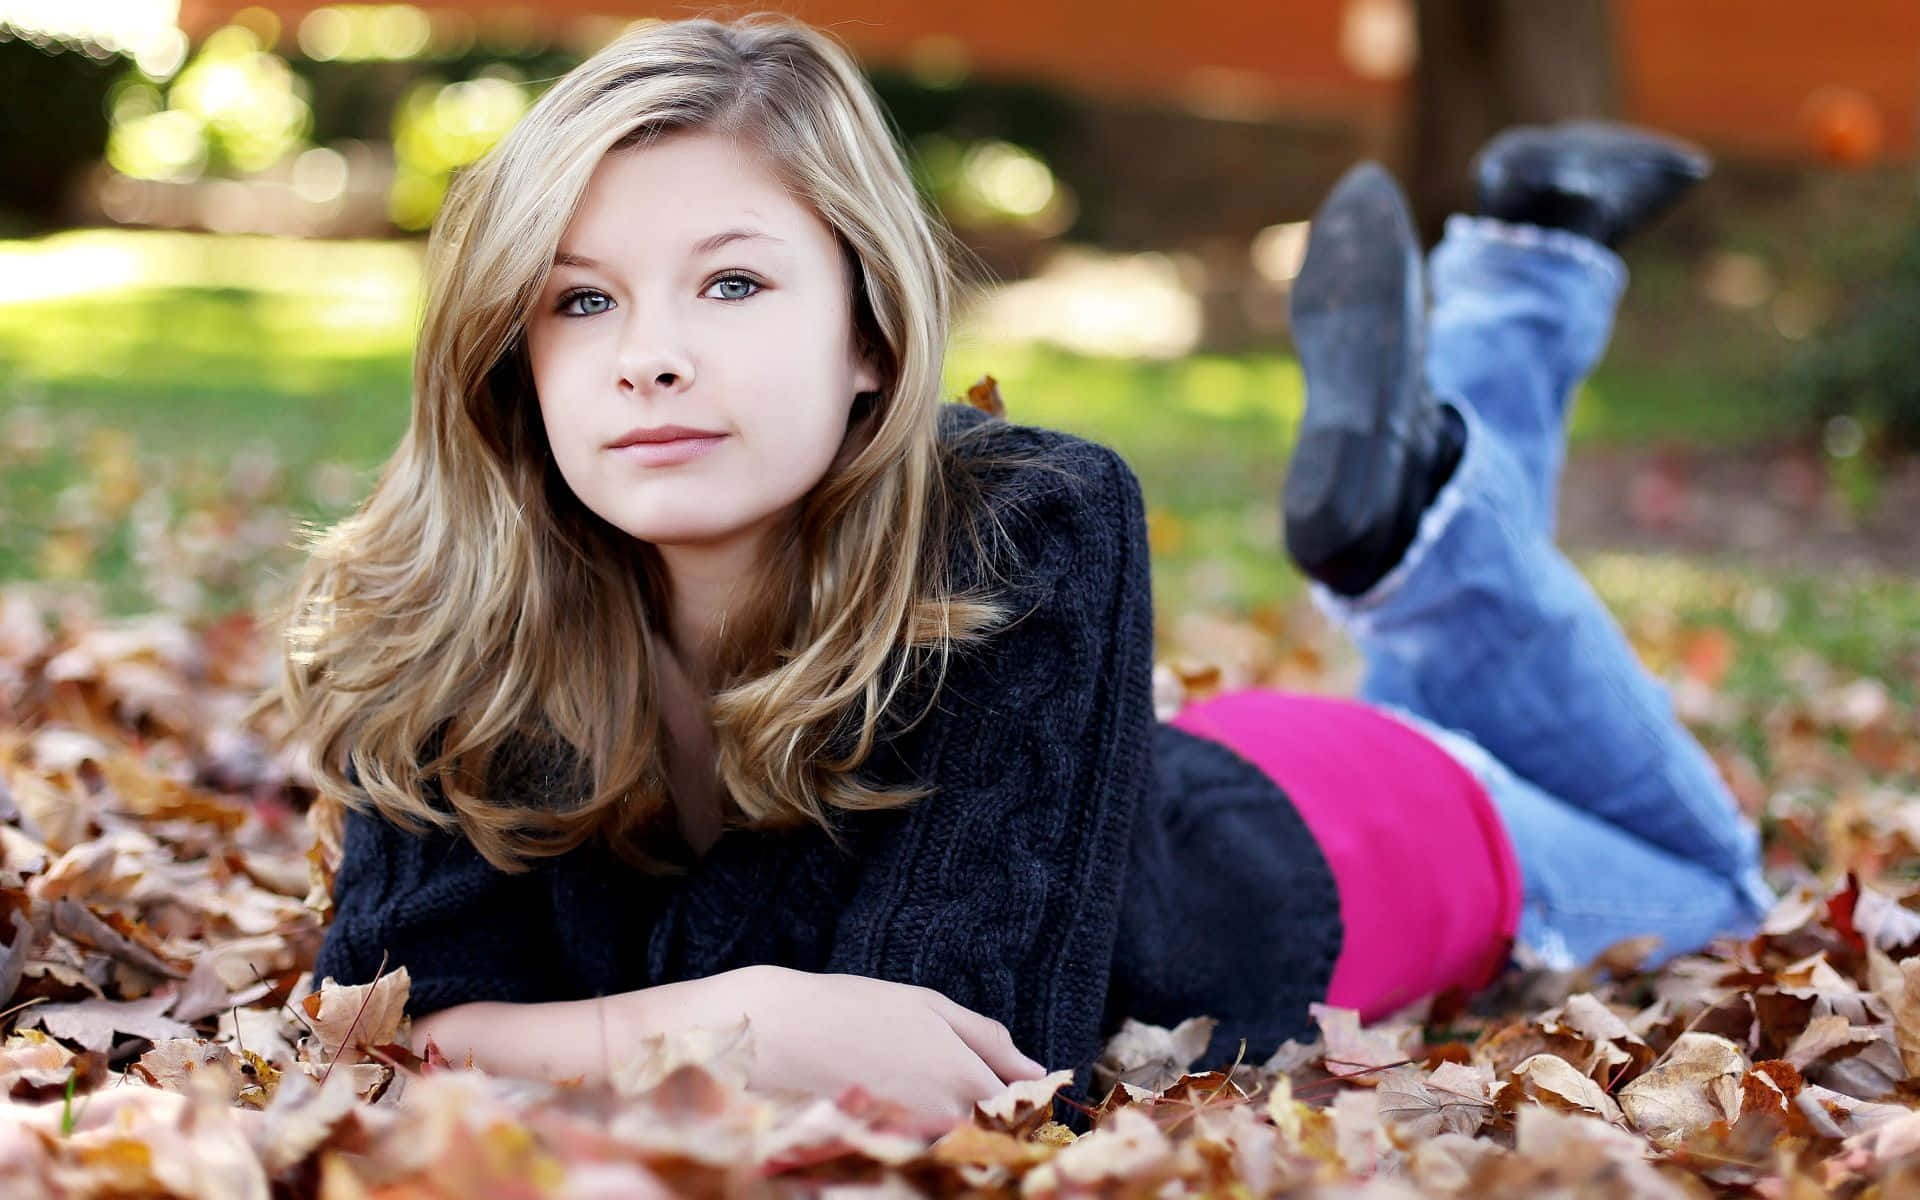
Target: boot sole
(1358, 311)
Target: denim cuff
(1453, 494)
(1584, 250)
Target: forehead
(672, 193)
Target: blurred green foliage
(235, 108)
(1865, 367)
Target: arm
(809, 1033)
(554, 1040)
(1001, 889)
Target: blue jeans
(1488, 640)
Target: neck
(705, 583)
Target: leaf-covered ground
(161, 899)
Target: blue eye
(748, 280)
(565, 307)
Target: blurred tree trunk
(1488, 64)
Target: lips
(662, 433)
(669, 452)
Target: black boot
(1595, 178)
(1373, 447)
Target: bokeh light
(989, 182)
(235, 105)
(440, 127)
(365, 32)
(1378, 39)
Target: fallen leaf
(173, 1061)
(1697, 1084)
(1552, 1080)
(1577, 1147)
(92, 1023)
(1022, 1106)
(1825, 1038)
(1151, 1056)
(1452, 1100)
(724, 1051)
(1352, 1050)
(984, 394)
(1906, 1014)
(362, 1015)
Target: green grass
(1208, 436)
(212, 353)
(150, 365)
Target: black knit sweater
(1075, 863)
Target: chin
(690, 529)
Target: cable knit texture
(1075, 863)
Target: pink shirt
(1429, 888)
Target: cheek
(556, 389)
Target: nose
(653, 357)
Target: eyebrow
(705, 245)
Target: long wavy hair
(472, 613)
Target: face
(696, 305)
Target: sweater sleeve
(464, 929)
(1001, 888)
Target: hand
(822, 1033)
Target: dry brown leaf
(1612, 1050)
(1872, 1074)
(984, 394)
(724, 1051)
(136, 1140)
(972, 1144)
(1352, 1050)
(173, 1061)
(34, 1060)
(1551, 1080)
(53, 815)
(180, 840)
(267, 1032)
(1151, 1056)
(1697, 1084)
(1825, 1038)
(13, 956)
(1452, 1099)
(1241, 1145)
(92, 1023)
(1023, 1106)
(1890, 1140)
(1887, 925)
(822, 1132)
(1851, 1115)
(1445, 1165)
(1580, 1147)
(83, 925)
(1363, 1143)
(1128, 1149)
(306, 1115)
(1287, 1114)
(367, 1014)
(1906, 1014)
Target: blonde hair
(435, 636)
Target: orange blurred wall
(1776, 77)
(1773, 78)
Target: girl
(691, 660)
